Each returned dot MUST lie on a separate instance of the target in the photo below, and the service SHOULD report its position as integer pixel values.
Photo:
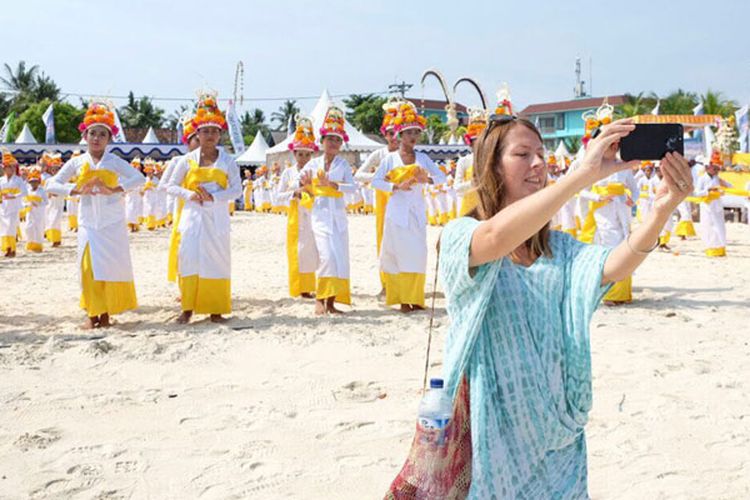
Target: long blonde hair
(489, 183)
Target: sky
(298, 48)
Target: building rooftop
(435, 104)
(571, 105)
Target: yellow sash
(324, 191)
(469, 173)
(148, 185)
(306, 201)
(198, 175)
(402, 174)
(13, 191)
(108, 177)
(614, 189)
(32, 198)
(709, 198)
(736, 192)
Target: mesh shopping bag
(435, 470)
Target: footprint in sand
(361, 392)
(38, 440)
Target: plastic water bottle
(436, 410)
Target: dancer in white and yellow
(608, 219)
(103, 248)
(466, 197)
(645, 190)
(150, 195)
(366, 172)
(302, 255)
(403, 174)
(51, 163)
(134, 202)
(72, 202)
(327, 178)
(653, 188)
(247, 191)
(713, 229)
(36, 202)
(206, 179)
(12, 191)
(190, 139)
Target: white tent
(150, 137)
(256, 153)
(25, 137)
(562, 151)
(357, 140)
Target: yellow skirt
(621, 291)
(100, 297)
(716, 252)
(151, 222)
(206, 296)
(685, 228)
(404, 288)
(8, 243)
(72, 222)
(663, 240)
(33, 247)
(53, 235)
(334, 287)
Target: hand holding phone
(652, 141)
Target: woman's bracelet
(641, 252)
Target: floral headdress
(333, 124)
(477, 124)
(136, 163)
(716, 158)
(34, 174)
(408, 117)
(188, 129)
(304, 136)
(595, 119)
(208, 113)
(99, 114)
(504, 106)
(390, 109)
(8, 159)
(149, 165)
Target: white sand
(280, 404)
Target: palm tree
(679, 102)
(22, 80)
(254, 122)
(141, 113)
(285, 113)
(637, 104)
(715, 104)
(572, 144)
(176, 117)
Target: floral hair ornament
(477, 123)
(100, 113)
(390, 110)
(408, 117)
(188, 129)
(716, 158)
(304, 135)
(504, 106)
(593, 120)
(8, 159)
(334, 124)
(208, 113)
(34, 174)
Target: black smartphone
(651, 141)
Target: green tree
(252, 123)
(572, 144)
(434, 130)
(176, 116)
(141, 113)
(679, 102)
(636, 105)
(67, 118)
(365, 112)
(29, 86)
(285, 112)
(714, 103)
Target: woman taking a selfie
(520, 298)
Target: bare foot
(184, 318)
(307, 295)
(320, 307)
(104, 321)
(218, 318)
(90, 323)
(416, 307)
(178, 299)
(406, 308)
(56, 244)
(331, 307)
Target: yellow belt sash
(107, 177)
(588, 229)
(13, 191)
(32, 199)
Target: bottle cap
(436, 383)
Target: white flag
(698, 110)
(49, 123)
(120, 135)
(235, 130)
(743, 125)
(6, 127)
(655, 111)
